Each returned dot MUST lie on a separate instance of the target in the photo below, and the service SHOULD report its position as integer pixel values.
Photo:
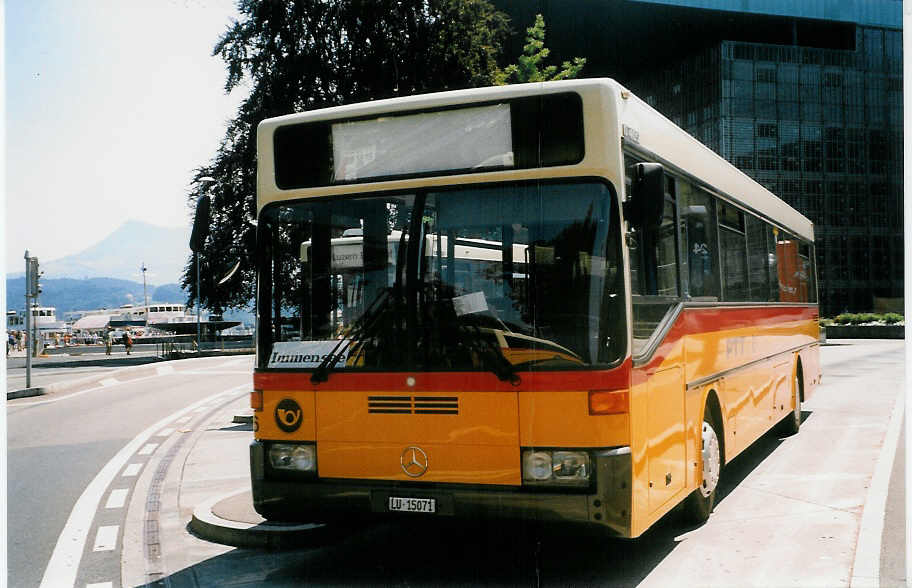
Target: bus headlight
(557, 467)
(294, 457)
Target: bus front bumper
(606, 504)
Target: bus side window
(806, 255)
(772, 253)
(733, 247)
(699, 222)
(758, 259)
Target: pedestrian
(20, 340)
(128, 341)
(10, 343)
(109, 341)
(56, 339)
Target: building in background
(805, 97)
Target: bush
(867, 317)
(849, 318)
(892, 318)
(846, 318)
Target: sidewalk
(205, 508)
(65, 368)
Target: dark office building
(806, 97)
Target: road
(58, 444)
(789, 514)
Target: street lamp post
(145, 297)
(197, 239)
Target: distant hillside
(66, 294)
(121, 254)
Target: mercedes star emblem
(414, 461)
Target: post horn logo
(414, 461)
(288, 415)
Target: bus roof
(620, 116)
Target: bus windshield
(505, 278)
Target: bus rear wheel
(792, 422)
(700, 503)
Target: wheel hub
(712, 462)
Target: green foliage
(849, 318)
(299, 55)
(534, 54)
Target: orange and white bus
(540, 301)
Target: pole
(199, 305)
(145, 297)
(28, 324)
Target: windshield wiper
(359, 331)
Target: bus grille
(413, 405)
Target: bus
(541, 301)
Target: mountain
(120, 255)
(66, 294)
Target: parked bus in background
(540, 301)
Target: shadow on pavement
(476, 553)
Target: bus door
(655, 285)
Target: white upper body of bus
(438, 134)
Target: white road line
(866, 568)
(132, 470)
(185, 419)
(165, 432)
(164, 370)
(81, 392)
(64, 563)
(109, 382)
(147, 449)
(117, 498)
(217, 372)
(100, 585)
(106, 538)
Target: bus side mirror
(646, 204)
(200, 225)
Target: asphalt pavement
(207, 512)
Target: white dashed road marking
(132, 469)
(117, 498)
(147, 449)
(106, 538)
(63, 566)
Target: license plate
(403, 504)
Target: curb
(866, 564)
(206, 525)
(25, 393)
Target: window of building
(767, 130)
(766, 74)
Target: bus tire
(700, 503)
(792, 422)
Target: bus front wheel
(700, 503)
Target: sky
(110, 107)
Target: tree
(308, 54)
(534, 53)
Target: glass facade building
(804, 97)
(821, 128)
